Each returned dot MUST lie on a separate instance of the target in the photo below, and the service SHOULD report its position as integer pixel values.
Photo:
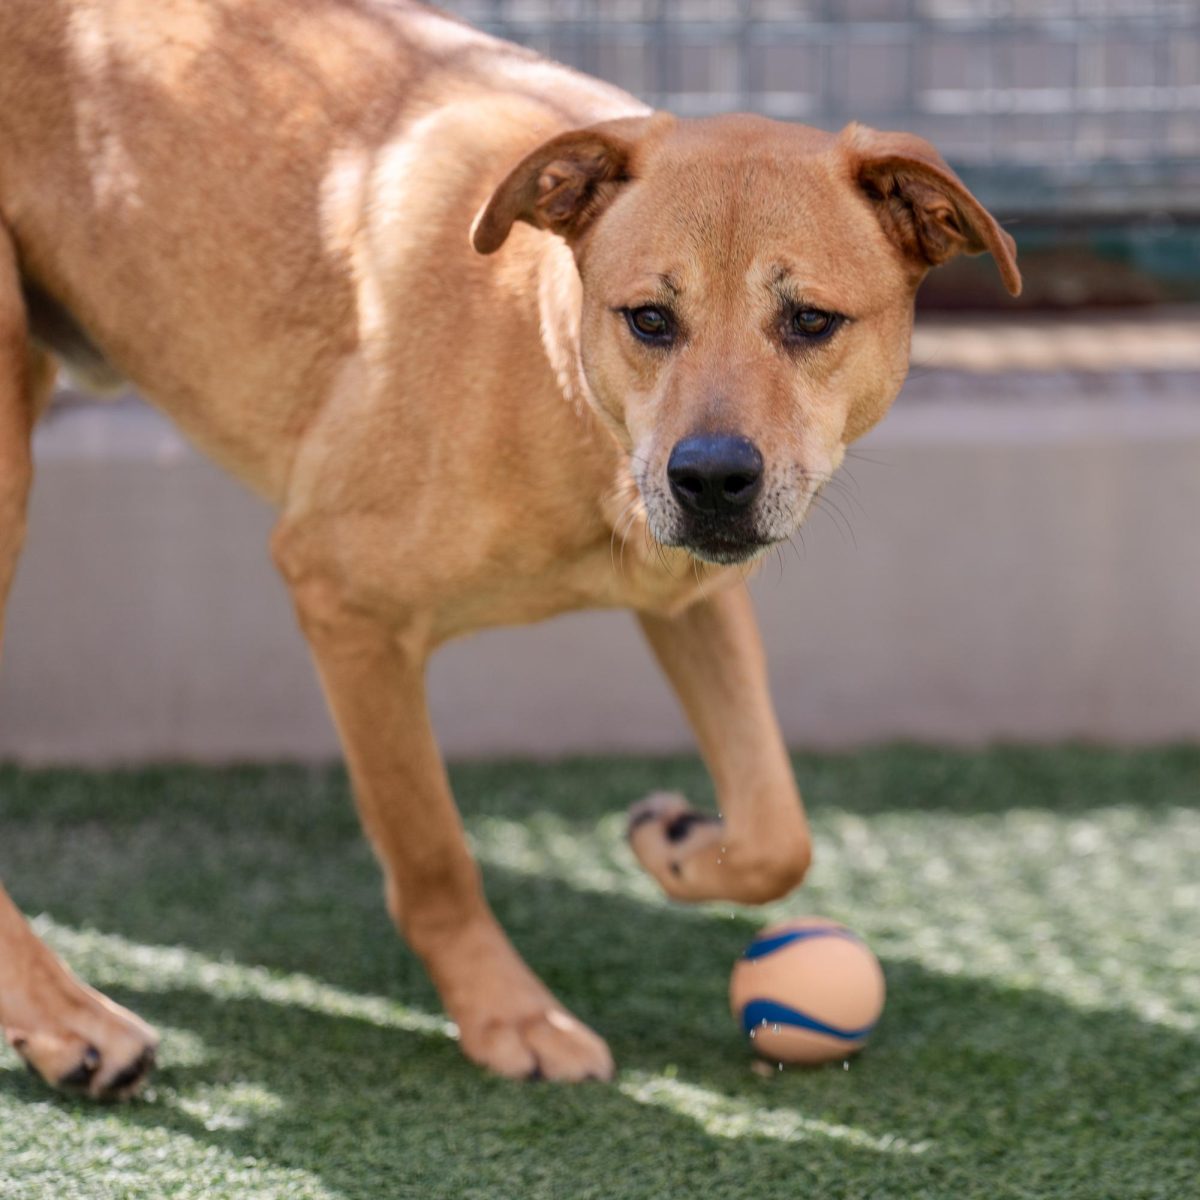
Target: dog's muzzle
(715, 480)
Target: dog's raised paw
(664, 831)
(696, 856)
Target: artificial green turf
(1036, 912)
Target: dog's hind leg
(759, 847)
(372, 671)
(66, 1032)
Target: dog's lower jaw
(735, 543)
(716, 551)
(736, 555)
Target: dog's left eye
(650, 324)
(813, 324)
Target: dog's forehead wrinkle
(746, 255)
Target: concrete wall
(1022, 561)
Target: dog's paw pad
(665, 819)
(668, 810)
(678, 828)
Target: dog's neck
(560, 308)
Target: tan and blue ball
(807, 991)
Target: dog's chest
(605, 574)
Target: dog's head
(747, 300)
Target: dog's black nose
(715, 474)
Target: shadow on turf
(1018, 1093)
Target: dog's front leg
(759, 847)
(373, 675)
(65, 1031)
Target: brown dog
(498, 342)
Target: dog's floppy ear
(922, 205)
(566, 183)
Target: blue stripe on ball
(768, 945)
(767, 1012)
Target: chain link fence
(1087, 107)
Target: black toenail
(82, 1075)
(676, 869)
(681, 826)
(134, 1071)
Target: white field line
(724, 1117)
(104, 956)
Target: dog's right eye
(651, 325)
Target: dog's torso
(333, 340)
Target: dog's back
(129, 124)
